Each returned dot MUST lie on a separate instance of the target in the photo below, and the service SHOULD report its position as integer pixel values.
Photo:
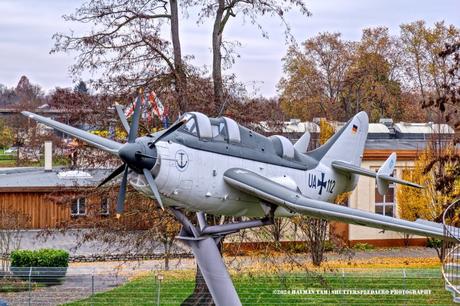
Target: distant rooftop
(384, 135)
(38, 177)
(378, 128)
(386, 126)
(295, 126)
(423, 128)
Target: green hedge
(7, 157)
(39, 258)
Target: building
(32, 192)
(408, 140)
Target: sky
(27, 27)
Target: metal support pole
(404, 283)
(92, 289)
(30, 286)
(159, 278)
(186, 223)
(201, 220)
(234, 227)
(203, 239)
(343, 286)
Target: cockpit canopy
(283, 146)
(219, 129)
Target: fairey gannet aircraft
(215, 166)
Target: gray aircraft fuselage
(189, 173)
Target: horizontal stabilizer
(349, 168)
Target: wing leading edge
(97, 141)
(272, 192)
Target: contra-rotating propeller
(138, 156)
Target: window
(233, 130)
(190, 127)
(105, 206)
(286, 146)
(78, 207)
(218, 131)
(198, 124)
(385, 205)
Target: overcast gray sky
(26, 27)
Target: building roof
(385, 136)
(384, 127)
(423, 128)
(378, 128)
(39, 178)
(295, 126)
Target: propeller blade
(122, 192)
(112, 175)
(122, 117)
(135, 123)
(153, 186)
(170, 130)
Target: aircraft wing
(274, 193)
(97, 141)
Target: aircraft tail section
(385, 171)
(346, 145)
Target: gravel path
(75, 287)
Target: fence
(96, 286)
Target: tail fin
(347, 144)
(384, 171)
(302, 144)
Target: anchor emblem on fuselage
(181, 160)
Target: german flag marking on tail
(354, 129)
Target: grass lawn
(275, 289)
(57, 161)
(7, 163)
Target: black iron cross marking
(321, 183)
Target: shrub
(39, 258)
(329, 246)
(434, 243)
(363, 246)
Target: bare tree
(316, 233)
(126, 46)
(222, 11)
(141, 231)
(11, 224)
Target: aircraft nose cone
(138, 156)
(127, 153)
